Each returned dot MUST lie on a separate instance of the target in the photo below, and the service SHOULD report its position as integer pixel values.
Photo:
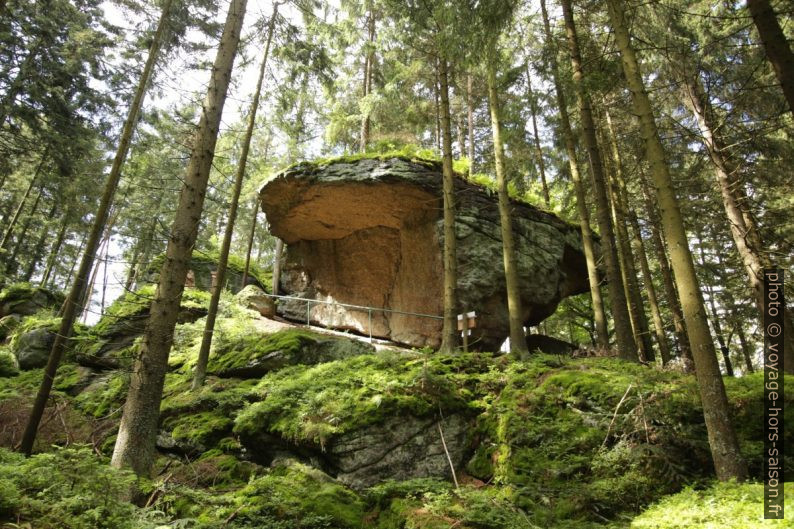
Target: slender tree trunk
(620, 312)
(15, 217)
(668, 283)
(449, 330)
(276, 278)
(715, 316)
(250, 246)
(743, 229)
(71, 309)
(11, 262)
(200, 372)
(138, 429)
(617, 184)
(518, 342)
(776, 46)
(436, 95)
(56, 248)
(533, 108)
(132, 270)
(252, 231)
(38, 249)
(728, 460)
(368, 69)
(470, 120)
(748, 360)
(459, 130)
(599, 315)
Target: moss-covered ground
(555, 442)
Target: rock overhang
(370, 232)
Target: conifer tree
(135, 442)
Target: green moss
(314, 403)
(203, 261)
(199, 429)
(105, 395)
(297, 492)
(17, 293)
(8, 363)
(554, 437)
(725, 505)
(241, 350)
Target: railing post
(308, 311)
(369, 311)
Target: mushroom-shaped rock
(369, 233)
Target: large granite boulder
(370, 233)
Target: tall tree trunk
(276, 278)
(599, 315)
(533, 108)
(715, 316)
(38, 248)
(668, 283)
(11, 263)
(368, 69)
(436, 95)
(518, 342)
(725, 452)
(138, 429)
(133, 269)
(748, 360)
(252, 231)
(776, 46)
(449, 330)
(639, 322)
(200, 372)
(470, 123)
(71, 309)
(56, 248)
(620, 311)
(743, 229)
(459, 130)
(15, 217)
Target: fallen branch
(615, 415)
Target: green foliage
(728, 505)
(69, 488)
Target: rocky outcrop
(254, 298)
(369, 233)
(401, 448)
(23, 299)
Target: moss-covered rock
(203, 264)
(254, 354)
(110, 344)
(25, 299)
(8, 363)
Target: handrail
(369, 310)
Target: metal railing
(369, 310)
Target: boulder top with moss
(369, 232)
